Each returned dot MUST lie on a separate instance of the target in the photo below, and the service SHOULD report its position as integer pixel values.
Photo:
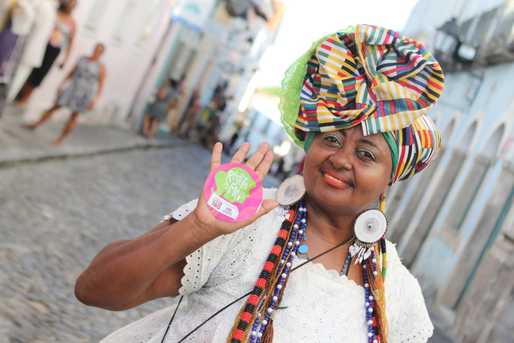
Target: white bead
(370, 297)
(300, 232)
(289, 244)
(296, 226)
(259, 334)
(374, 260)
(375, 341)
(264, 322)
(370, 310)
(370, 322)
(370, 334)
(282, 261)
(303, 220)
(366, 285)
(297, 243)
(288, 264)
(284, 275)
(279, 286)
(254, 333)
(367, 304)
(275, 298)
(375, 273)
(270, 310)
(293, 253)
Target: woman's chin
(331, 197)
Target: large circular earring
(369, 227)
(291, 190)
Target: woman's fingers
(265, 165)
(241, 153)
(256, 159)
(216, 155)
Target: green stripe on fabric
(309, 138)
(393, 146)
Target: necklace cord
(244, 295)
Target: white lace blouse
(319, 305)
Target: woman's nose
(342, 158)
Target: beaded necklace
(254, 323)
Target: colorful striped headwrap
(370, 76)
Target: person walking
(61, 39)
(78, 92)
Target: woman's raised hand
(260, 162)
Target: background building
(454, 223)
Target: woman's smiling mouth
(335, 181)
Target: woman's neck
(328, 226)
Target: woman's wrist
(201, 233)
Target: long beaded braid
(374, 272)
(269, 287)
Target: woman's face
(345, 172)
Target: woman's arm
(128, 273)
(69, 46)
(99, 89)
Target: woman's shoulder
(407, 312)
(398, 277)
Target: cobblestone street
(58, 214)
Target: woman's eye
(332, 140)
(366, 155)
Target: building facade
(453, 223)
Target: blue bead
(303, 249)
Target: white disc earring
(370, 226)
(291, 190)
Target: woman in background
(78, 92)
(62, 38)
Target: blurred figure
(210, 124)
(61, 38)
(78, 92)
(157, 111)
(194, 107)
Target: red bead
(290, 215)
(238, 334)
(276, 250)
(268, 266)
(246, 316)
(283, 234)
(261, 283)
(253, 299)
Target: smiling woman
(347, 171)
(356, 103)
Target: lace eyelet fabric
(319, 305)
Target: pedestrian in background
(78, 92)
(61, 39)
(165, 99)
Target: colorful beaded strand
(247, 315)
(291, 251)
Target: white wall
(131, 31)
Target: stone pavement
(20, 145)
